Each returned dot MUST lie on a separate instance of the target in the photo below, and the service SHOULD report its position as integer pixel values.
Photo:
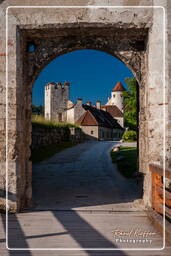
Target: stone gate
(135, 35)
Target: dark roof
(94, 116)
(118, 87)
(113, 110)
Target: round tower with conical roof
(117, 96)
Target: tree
(130, 104)
(38, 110)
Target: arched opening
(34, 39)
(130, 48)
(97, 81)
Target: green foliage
(127, 166)
(129, 136)
(130, 104)
(37, 110)
(42, 122)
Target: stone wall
(91, 132)
(168, 85)
(43, 136)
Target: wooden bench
(158, 190)
(158, 199)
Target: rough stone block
(2, 124)
(2, 95)
(2, 111)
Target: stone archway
(126, 33)
(129, 47)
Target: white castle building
(115, 104)
(97, 120)
(117, 96)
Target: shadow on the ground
(87, 237)
(80, 177)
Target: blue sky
(92, 75)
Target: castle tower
(49, 88)
(65, 99)
(56, 98)
(117, 96)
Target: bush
(129, 136)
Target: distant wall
(43, 136)
(70, 116)
(91, 132)
(78, 111)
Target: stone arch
(128, 45)
(47, 50)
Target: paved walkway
(83, 177)
(76, 229)
(80, 201)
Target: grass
(129, 140)
(42, 122)
(44, 153)
(128, 164)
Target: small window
(60, 117)
(92, 132)
(31, 47)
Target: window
(92, 132)
(31, 47)
(60, 117)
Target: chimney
(79, 101)
(88, 103)
(98, 104)
(66, 83)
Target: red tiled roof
(51, 83)
(94, 116)
(118, 87)
(113, 110)
(67, 83)
(87, 119)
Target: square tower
(56, 98)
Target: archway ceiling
(128, 45)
